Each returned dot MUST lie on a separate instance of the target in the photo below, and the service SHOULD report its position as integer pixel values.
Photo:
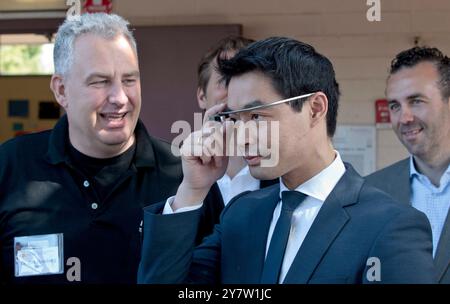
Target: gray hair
(107, 26)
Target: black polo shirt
(43, 191)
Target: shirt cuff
(168, 207)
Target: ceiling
(23, 39)
(32, 5)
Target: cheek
(285, 142)
(134, 96)
(437, 122)
(290, 131)
(216, 94)
(269, 134)
(88, 100)
(221, 93)
(294, 135)
(394, 117)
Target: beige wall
(360, 50)
(35, 89)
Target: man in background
(418, 92)
(211, 91)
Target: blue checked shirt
(431, 200)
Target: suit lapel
(402, 182)
(257, 230)
(394, 180)
(326, 227)
(442, 258)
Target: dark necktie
(290, 200)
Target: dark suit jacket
(214, 205)
(395, 181)
(355, 223)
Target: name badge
(38, 255)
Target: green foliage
(21, 59)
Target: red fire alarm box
(382, 117)
(97, 6)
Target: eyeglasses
(221, 116)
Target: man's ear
(201, 98)
(59, 90)
(318, 108)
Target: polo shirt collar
(57, 148)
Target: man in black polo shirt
(71, 198)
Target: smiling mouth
(113, 116)
(412, 133)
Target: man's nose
(117, 94)
(406, 115)
(247, 133)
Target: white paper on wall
(357, 146)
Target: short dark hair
(294, 67)
(416, 55)
(228, 44)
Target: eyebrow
(104, 75)
(132, 74)
(252, 104)
(412, 96)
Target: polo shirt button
(86, 184)
(94, 206)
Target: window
(25, 54)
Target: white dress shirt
(431, 200)
(243, 181)
(317, 190)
